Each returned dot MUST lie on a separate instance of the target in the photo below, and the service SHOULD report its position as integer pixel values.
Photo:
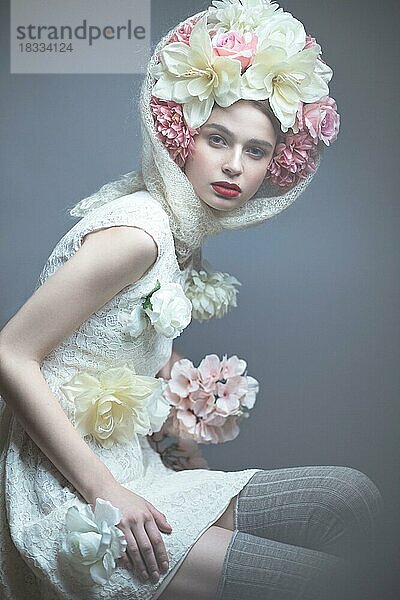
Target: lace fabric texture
(35, 496)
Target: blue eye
(215, 136)
(260, 154)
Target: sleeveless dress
(35, 496)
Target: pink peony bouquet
(208, 401)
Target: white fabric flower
(282, 31)
(113, 406)
(285, 81)
(212, 293)
(93, 541)
(195, 77)
(136, 322)
(171, 310)
(242, 16)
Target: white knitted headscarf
(191, 220)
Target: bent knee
(354, 495)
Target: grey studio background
(318, 312)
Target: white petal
(200, 38)
(314, 90)
(105, 511)
(76, 521)
(324, 71)
(175, 58)
(89, 546)
(197, 112)
(98, 573)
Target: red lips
(226, 184)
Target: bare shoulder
(131, 250)
(107, 261)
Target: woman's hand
(165, 372)
(141, 524)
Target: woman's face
(234, 146)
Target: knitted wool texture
(191, 220)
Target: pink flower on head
(293, 160)
(321, 120)
(230, 367)
(182, 34)
(236, 45)
(184, 378)
(310, 42)
(172, 129)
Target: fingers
(132, 550)
(159, 518)
(146, 551)
(158, 545)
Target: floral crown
(250, 50)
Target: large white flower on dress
(285, 81)
(241, 15)
(195, 77)
(112, 407)
(93, 541)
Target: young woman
(232, 130)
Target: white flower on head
(243, 15)
(194, 76)
(113, 406)
(285, 81)
(170, 311)
(212, 293)
(93, 541)
(282, 31)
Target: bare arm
(80, 287)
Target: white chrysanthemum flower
(211, 293)
(243, 15)
(93, 541)
(285, 81)
(195, 77)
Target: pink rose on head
(236, 45)
(321, 119)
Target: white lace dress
(35, 496)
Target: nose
(233, 162)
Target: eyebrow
(225, 130)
